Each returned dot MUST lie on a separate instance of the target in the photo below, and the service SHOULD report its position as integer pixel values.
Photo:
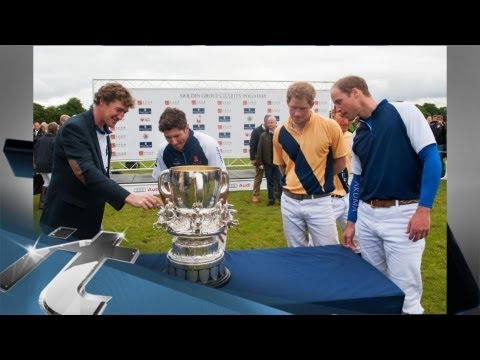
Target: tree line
(52, 113)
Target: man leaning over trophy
(193, 184)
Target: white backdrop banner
(229, 116)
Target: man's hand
(253, 162)
(348, 234)
(419, 225)
(146, 202)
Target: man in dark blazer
(80, 184)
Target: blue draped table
(308, 280)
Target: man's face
(271, 123)
(177, 137)
(342, 121)
(299, 110)
(346, 105)
(113, 112)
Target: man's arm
(339, 164)
(419, 225)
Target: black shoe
(270, 203)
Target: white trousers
(313, 217)
(385, 245)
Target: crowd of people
(377, 184)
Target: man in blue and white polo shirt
(183, 146)
(396, 174)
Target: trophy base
(208, 272)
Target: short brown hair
(302, 90)
(114, 91)
(172, 118)
(347, 83)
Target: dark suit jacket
(80, 186)
(254, 138)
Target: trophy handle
(161, 184)
(225, 180)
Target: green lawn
(260, 226)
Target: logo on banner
(248, 126)
(219, 110)
(246, 142)
(199, 119)
(224, 118)
(249, 110)
(145, 144)
(226, 151)
(224, 135)
(198, 111)
(145, 119)
(219, 102)
(144, 110)
(167, 102)
(224, 143)
(117, 136)
(194, 102)
(145, 153)
(198, 127)
(118, 145)
(224, 127)
(249, 118)
(145, 128)
(273, 110)
(245, 151)
(270, 102)
(145, 136)
(119, 127)
(315, 110)
(119, 153)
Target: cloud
(407, 73)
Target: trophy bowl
(193, 186)
(196, 214)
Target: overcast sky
(408, 73)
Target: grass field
(260, 226)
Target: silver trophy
(195, 215)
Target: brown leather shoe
(255, 199)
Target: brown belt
(303, 196)
(381, 203)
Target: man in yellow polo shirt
(309, 150)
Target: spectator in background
(254, 137)
(309, 150)
(80, 184)
(43, 158)
(37, 132)
(396, 174)
(439, 129)
(64, 118)
(264, 160)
